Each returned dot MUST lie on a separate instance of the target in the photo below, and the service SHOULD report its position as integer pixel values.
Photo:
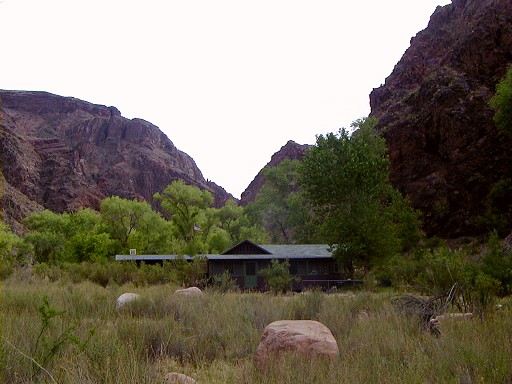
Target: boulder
(178, 378)
(126, 298)
(188, 291)
(306, 337)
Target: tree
(362, 216)
(134, 224)
(186, 205)
(234, 221)
(14, 250)
(47, 231)
(280, 206)
(73, 237)
(502, 101)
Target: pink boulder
(306, 337)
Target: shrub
(278, 276)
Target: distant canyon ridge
(61, 153)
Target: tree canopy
(345, 179)
(280, 207)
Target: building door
(251, 278)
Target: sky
(228, 81)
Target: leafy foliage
(13, 250)
(278, 276)
(498, 204)
(502, 101)
(134, 224)
(280, 206)
(47, 347)
(73, 237)
(363, 217)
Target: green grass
(212, 338)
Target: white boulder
(126, 298)
(188, 291)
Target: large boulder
(178, 378)
(188, 291)
(307, 337)
(126, 298)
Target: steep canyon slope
(445, 151)
(291, 150)
(62, 154)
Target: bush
(278, 276)
(225, 282)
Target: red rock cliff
(62, 154)
(433, 111)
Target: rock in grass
(126, 298)
(306, 337)
(178, 378)
(188, 291)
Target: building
(313, 264)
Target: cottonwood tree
(280, 206)
(185, 206)
(345, 178)
(233, 219)
(72, 237)
(134, 224)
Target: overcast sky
(228, 81)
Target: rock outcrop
(62, 154)
(291, 150)
(445, 151)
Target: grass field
(80, 337)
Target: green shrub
(278, 276)
(225, 282)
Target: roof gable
(246, 247)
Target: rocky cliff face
(433, 111)
(62, 154)
(291, 150)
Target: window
(302, 267)
(228, 266)
(294, 267)
(250, 268)
(238, 268)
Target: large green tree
(502, 101)
(74, 237)
(233, 219)
(345, 178)
(185, 206)
(280, 207)
(134, 224)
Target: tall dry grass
(213, 338)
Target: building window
(238, 268)
(250, 268)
